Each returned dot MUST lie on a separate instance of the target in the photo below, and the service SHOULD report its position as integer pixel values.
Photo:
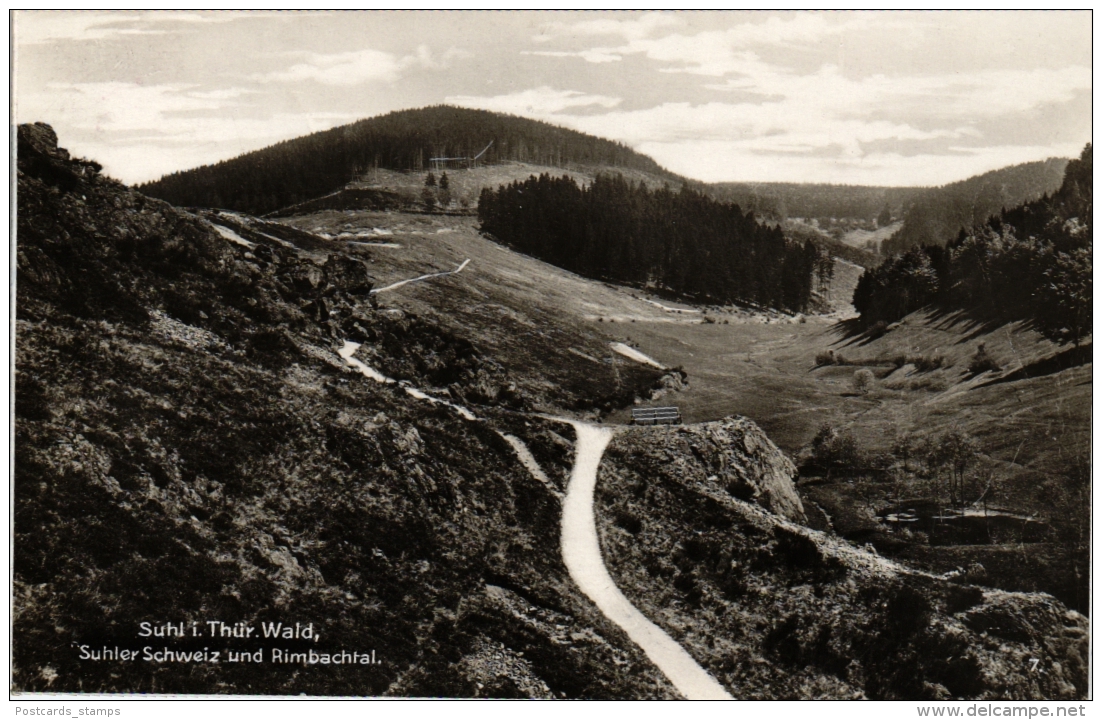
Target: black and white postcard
(563, 355)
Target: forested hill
(938, 215)
(1032, 262)
(685, 243)
(313, 165)
(808, 200)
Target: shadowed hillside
(938, 215)
(191, 447)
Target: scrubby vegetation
(921, 363)
(931, 497)
(775, 611)
(681, 242)
(1032, 262)
(190, 447)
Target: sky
(869, 98)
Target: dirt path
(232, 236)
(400, 283)
(581, 552)
(581, 549)
(349, 349)
(530, 463)
(630, 352)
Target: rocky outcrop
(733, 455)
(774, 610)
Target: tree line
(1032, 262)
(681, 242)
(936, 216)
(304, 168)
(816, 200)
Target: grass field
(551, 326)
(466, 184)
(860, 238)
(761, 365)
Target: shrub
(982, 362)
(863, 380)
(929, 384)
(926, 363)
(629, 522)
(877, 330)
(833, 449)
(907, 609)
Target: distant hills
(1030, 262)
(304, 168)
(816, 200)
(334, 168)
(938, 215)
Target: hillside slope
(191, 444)
(815, 200)
(191, 447)
(308, 167)
(776, 611)
(938, 215)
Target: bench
(656, 416)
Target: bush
(863, 380)
(833, 449)
(877, 330)
(926, 363)
(982, 362)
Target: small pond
(963, 526)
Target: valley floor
(762, 365)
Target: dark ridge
(304, 168)
(938, 215)
(1032, 262)
(817, 200)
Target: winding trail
(349, 349)
(400, 283)
(581, 551)
(581, 548)
(233, 236)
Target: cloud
(348, 68)
(713, 52)
(541, 102)
(593, 56)
(720, 161)
(636, 28)
(979, 94)
(762, 128)
(41, 27)
(140, 132)
(359, 66)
